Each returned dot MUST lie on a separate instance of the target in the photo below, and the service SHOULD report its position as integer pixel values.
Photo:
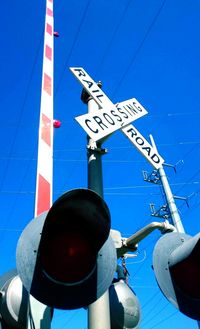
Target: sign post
(99, 311)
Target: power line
(163, 320)
(70, 319)
(72, 47)
(21, 111)
(150, 299)
(150, 186)
(189, 181)
(174, 114)
(131, 147)
(69, 160)
(106, 188)
(155, 314)
(21, 158)
(120, 20)
(140, 46)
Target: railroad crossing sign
(99, 124)
(111, 117)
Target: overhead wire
(162, 193)
(119, 22)
(163, 320)
(66, 62)
(180, 143)
(26, 96)
(196, 146)
(188, 182)
(70, 319)
(21, 111)
(133, 59)
(73, 46)
(174, 114)
(159, 309)
(123, 75)
(106, 188)
(70, 160)
(150, 299)
(11, 208)
(130, 147)
(150, 186)
(149, 311)
(69, 175)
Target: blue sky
(143, 49)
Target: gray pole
(169, 196)
(170, 200)
(99, 311)
(39, 315)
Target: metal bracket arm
(131, 243)
(96, 147)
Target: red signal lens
(67, 257)
(186, 276)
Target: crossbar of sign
(92, 88)
(146, 149)
(99, 124)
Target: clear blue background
(148, 49)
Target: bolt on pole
(99, 311)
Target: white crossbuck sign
(101, 123)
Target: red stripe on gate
(48, 52)
(44, 195)
(46, 129)
(49, 12)
(47, 83)
(49, 29)
(51, 1)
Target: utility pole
(169, 196)
(99, 311)
(170, 200)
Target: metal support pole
(99, 311)
(39, 315)
(170, 200)
(169, 196)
